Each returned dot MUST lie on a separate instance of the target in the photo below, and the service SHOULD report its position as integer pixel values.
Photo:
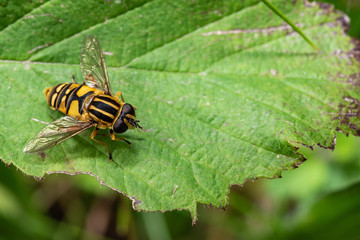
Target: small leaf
(224, 90)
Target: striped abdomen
(69, 98)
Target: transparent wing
(93, 65)
(55, 133)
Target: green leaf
(224, 89)
(288, 21)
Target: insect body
(86, 105)
(83, 103)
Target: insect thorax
(104, 109)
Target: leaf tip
(193, 213)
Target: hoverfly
(85, 105)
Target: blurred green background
(318, 200)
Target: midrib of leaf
(214, 83)
(208, 125)
(275, 78)
(267, 106)
(212, 126)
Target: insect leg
(93, 138)
(120, 94)
(73, 78)
(112, 135)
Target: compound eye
(120, 126)
(128, 109)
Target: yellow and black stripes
(53, 93)
(83, 103)
(86, 105)
(104, 108)
(79, 95)
(63, 96)
(68, 98)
